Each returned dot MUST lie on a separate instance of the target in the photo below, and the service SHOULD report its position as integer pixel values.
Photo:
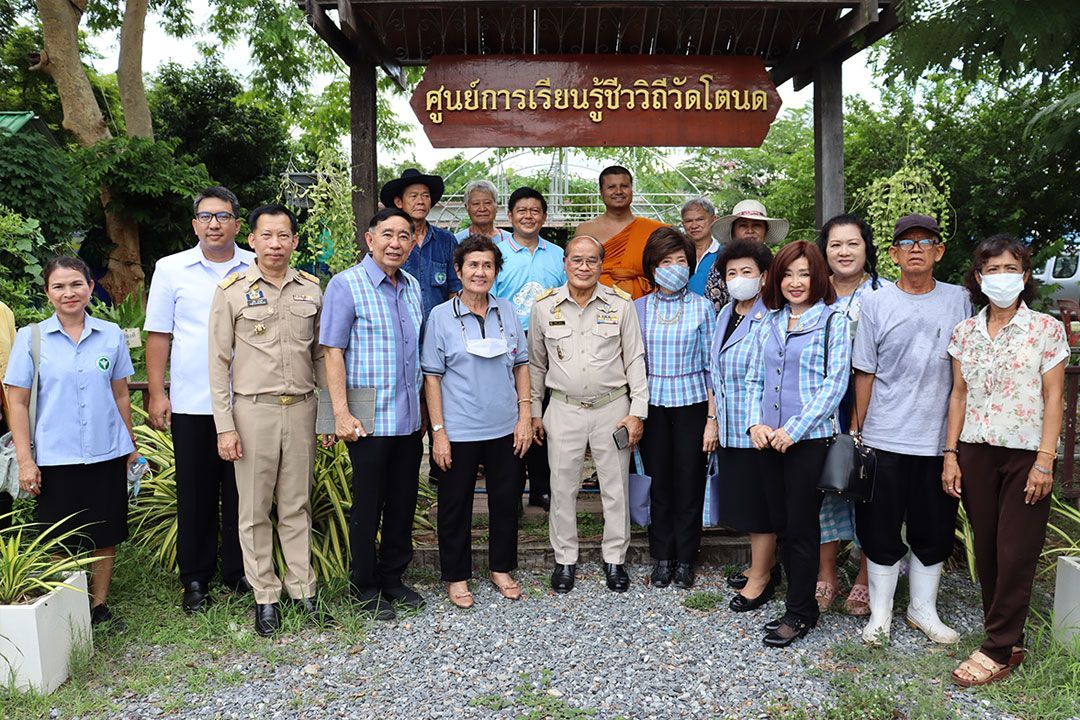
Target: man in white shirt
(181, 292)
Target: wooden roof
(790, 36)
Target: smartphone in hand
(621, 437)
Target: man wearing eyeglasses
(177, 315)
(585, 347)
(903, 377)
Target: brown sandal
(463, 600)
(510, 591)
(981, 670)
(858, 600)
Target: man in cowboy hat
(431, 261)
(748, 221)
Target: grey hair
(599, 245)
(221, 193)
(700, 201)
(482, 186)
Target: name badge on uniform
(556, 322)
(303, 298)
(607, 318)
(255, 297)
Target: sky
(159, 48)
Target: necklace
(738, 318)
(667, 321)
(793, 316)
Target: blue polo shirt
(432, 264)
(479, 400)
(701, 273)
(525, 274)
(78, 422)
(500, 235)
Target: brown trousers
(1008, 539)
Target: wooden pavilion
(805, 41)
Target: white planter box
(36, 639)
(1067, 600)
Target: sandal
(825, 593)
(463, 600)
(510, 590)
(980, 670)
(858, 600)
(1018, 654)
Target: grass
(704, 600)
(533, 699)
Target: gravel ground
(641, 654)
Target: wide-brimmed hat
(915, 220)
(751, 210)
(412, 176)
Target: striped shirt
(729, 365)
(678, 330)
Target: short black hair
(387, 213)
(272, 209)
(523, 193)
(664, 241)
(476, 243)
(66, 262)
(991, 247)
(739, 249)
(219, 192)
(868, 241)
(614, 170)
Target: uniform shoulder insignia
(230, 280)
(621, 293)
(547, 293)
(308, 276)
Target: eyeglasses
(206, 217)
(908, 243)
(587, 262)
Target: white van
(1063, 271)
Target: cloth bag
(640, 493)
(710, 513)
(9, 465)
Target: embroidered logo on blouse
(103, 364)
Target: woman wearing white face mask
(677, 326)
(1005, 414)
(476, 381)
(745, 267)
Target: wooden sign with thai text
(595, 100)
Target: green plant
(1063, 532)
(703, 600)
(34, 563)
(23, 252)
(128, 313)
(328, 231)
(965, 535)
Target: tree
(37, 180)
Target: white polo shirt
(180, 297)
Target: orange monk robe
(622, 258)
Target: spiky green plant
(34, 563)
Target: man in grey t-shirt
(903, 377)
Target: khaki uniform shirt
(586, 352)
(264, 339)
(7, 339)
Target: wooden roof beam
(365, 39)
(827, 42)
(887, 22)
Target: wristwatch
(437, 428)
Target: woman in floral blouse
(1004, 420)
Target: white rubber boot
(882, 582)
(922, 610)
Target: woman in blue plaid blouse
(677, 326)
(796, 381)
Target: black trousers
(1009, 536)
(204, 483)
(907, 489)
(671, 453)
(536, 466)
(386, 473)
(502, 470)
(794, 502)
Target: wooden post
(828, 140)
(365, 167)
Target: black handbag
(850, 466)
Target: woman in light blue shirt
(677, 327)
(476, 380)
(82, 439)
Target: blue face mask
(672, 278)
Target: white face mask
(1002, 288)
(744, 288)
(487, 347)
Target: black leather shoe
(740, 603)
(543, 501)
(773, 624)
(789, 631)
(314, 611)
(405, 595)
(617, 579)
(737, 581)
(196, 597)
(375, 606)
(239, 587)
(562, 579)
(102, 619)
(684, 576)
(661, 573)
(267, 620)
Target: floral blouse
(1004, 376)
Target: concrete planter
(36, 639)
(1067, 600)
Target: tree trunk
(125, 273)
(129, 77)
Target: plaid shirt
(729, 365)
(787, 383)
(374, 352)
(676, 353)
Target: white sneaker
(922, 610)
(882, 583)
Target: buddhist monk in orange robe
(622, 233)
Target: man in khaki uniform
(585, 347)
(264, 337)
